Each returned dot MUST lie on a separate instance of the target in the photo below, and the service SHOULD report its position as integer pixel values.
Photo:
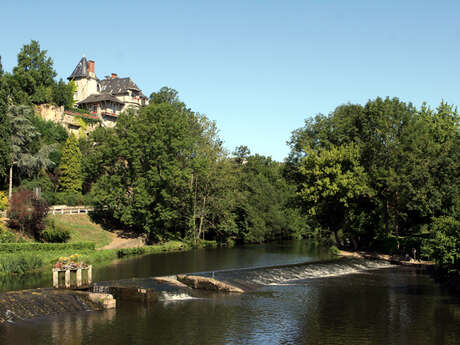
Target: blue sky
(258, 68)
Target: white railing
(75, 210)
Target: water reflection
(386, 306)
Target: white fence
(75, 210)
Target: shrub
(333, 250)
(27, 212)
(53, 234)
(68, 198)
(7, 236)
(444, 247)
(3, 201)
(35, 246)
(130, 251)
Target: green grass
(81, 229)
(26, 262)
(25, 258)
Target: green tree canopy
(34, 74)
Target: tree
(334, 186)
(34, 74)
(444, 247)
(5, 130)
(213, 182)
(263, 211)
(71, 178)
(63, 93)
(410, 158)
(165, 95)
(146, 170)
(22, 134)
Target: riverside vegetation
(381, 176)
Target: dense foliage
(70, 178)
(163, 172)
(27, 212)
(380, 171)
(384, 175)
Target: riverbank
(95, 245)
(23, 261)
(394, 259)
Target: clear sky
(258, 68)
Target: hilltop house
(108, 97)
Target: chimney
(114, 75)
(91, 66)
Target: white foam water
(283, 275)
(171, 297)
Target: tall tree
(22, 135)
(334, 188)
(5, 130)
(34, 75)
(71, 179)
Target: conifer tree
(70, 167)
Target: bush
(27, 212)
(35, 246)
(68, 198)
(3, 201)
(388, 245)
(333, 250)
(444, 248)
(7, 236)
(205, 244)
(130, 251)
(53, 234)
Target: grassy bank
(20, 262)
(86, 239)
(81, 229)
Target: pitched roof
(118, 85)
(81, 70)
(95, 98)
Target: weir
(201, 284)
(26, 304)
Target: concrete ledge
(204, 283)
(29, 304)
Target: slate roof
(117, 86)
(95, 98)
(81, 70)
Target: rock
(170, 281)
(205, 283)
(106, 300)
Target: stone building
(108, 97)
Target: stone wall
(56, 114)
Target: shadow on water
(276, 253)
(298, 301)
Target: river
(297, 295)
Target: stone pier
(78, 276)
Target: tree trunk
(337, 240)
(10, 188)
(355, 244)
(200, 228)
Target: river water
(296, 294)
